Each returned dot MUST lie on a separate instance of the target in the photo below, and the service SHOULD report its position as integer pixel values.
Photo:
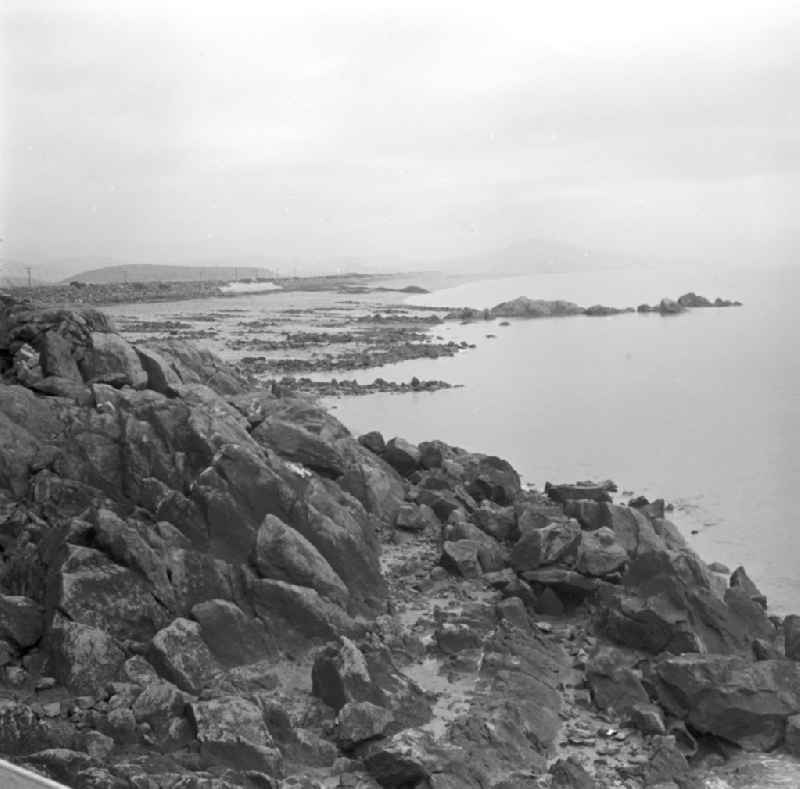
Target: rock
(453, 637)
(340, 675)
(491, 555)
(570, 774)
(670, 307)
(64, 387)
(461, 558)
(121, 725)
(633, 529)
(283, 554)
(730, 697)
(498, 522)
(719, 567)
(161, 375)
(112, 360)
(791, 634)
(20, 730)
(512, 609)
(373, 441)
(98, 745)
(288, 608)
(402, 456)
(231, 731)
(691, 299)
(666, 763)
(569, 583)
(557, 542)
(765, 650)
(158, 704)
(20, 620)
(792, 736)
(647, 718)
(590, 514)
(523, 307)
(402, 760)
(549, 603)
(600, 553)
(55, 354)
(63, 764)
(83, 658)
(301, 446)
(614, 685)
(360, 721)
(416, 518)
(180, 655)
(564, 493)
(741, 579)
(232, 637)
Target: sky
(382, 133)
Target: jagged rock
(98, 745)
(590, 514)
(532, 516)
(402, 456)
(360, 721)
(691, 299)
(21, 620)
(416, 518)
(83, 658)
(112, 360)
(55, 354)
(491, 555)
(196, 576)
(564, 493)
(513, 610)
(161, 375)
(157, 704)
(634, 531)
(666, 763)
(373, 441)
(647, 718)
(719, 567)
(283, 554)
(741, 579)
(614, 684)
(232, 637)
(524, 307)
(726, 695)
(138, 671)
(180, 655)
(498, 522)
(461, 558)
(791, 634)
(557, 542)
(600, 554)
(64, 387)
(453, 637)
(62, 764)
(567, 582)
(231, 730)
(340, 675)
(295, 609)
(301, 446)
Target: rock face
(743, 702)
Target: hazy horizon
(388, 137)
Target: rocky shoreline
(206, 583)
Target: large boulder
(283, 554)
(600, 553)
(563, 493)
(233, 637)
(111, 360)
(731, 697)
(56, 357)
(402, 455)
(21, 620)
(556, 543)
(231, 731)
(740, 579)
(181, 656)
(297, 444)
(791, 634)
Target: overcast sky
(183, 131)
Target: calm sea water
(702, 408)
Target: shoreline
(401, 613)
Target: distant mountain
(145, 272)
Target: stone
(792, 735)
(300, 445)
(647, 718)
(138, 671)
(670, 307)
(21, 620)
(340, 675)
(453, 637)
(232, 637)
(112, 360)
(416, 518)
(281, 553)
(360, 721)
(157, 704)
(460, 557)
(556, 543)
(587, 512)
(373, 441)
(401, 455)
(614, 685)
(55, 355)
(83, 658)
(566, 582)
(180, 655)
(730, 697)
(740, 578)
(549, 603)
(231, 731)
(600, 553)
(564, 493)
(512, 610)
(719, 567)
(20, 729)
(791, 634)
(98, 745)
(162, 377)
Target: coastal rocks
(614, 685)
(600, 554)
(359, 721)
(232, 637)
(523, 307)
(301, 446)
(745, 703)
(373, 441)
(402, 456)
(740, 579)
(565, 493)
(232, 731)
(180, 655)
(21, 620)
(461, 558)
(340, 676)
(691, 299)
(281, 553)
(416, 518)
(555, 543)
(670, 307)
(111, 360)
(791, 634)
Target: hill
(145, 272)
